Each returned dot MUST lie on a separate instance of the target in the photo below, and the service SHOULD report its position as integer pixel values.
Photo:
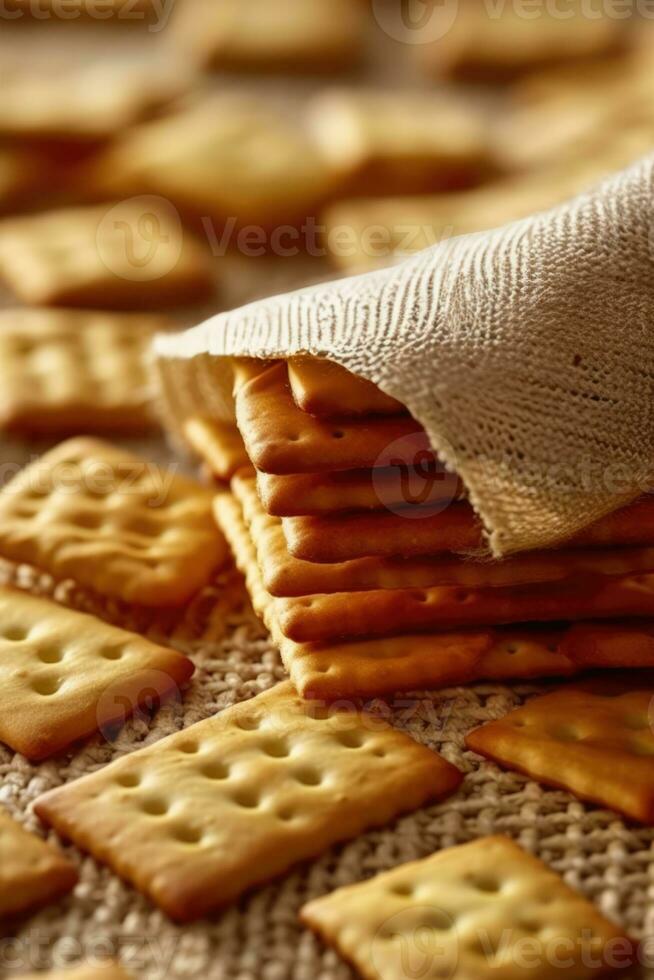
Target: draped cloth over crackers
(526, 352)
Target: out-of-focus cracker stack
(377, 588)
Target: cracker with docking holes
(115, 523)
(486, 909)
(218, 444)
(231, 802)
(385, 612)
(401, 142)
(107, 970)
(326, 389)
(80, 105)
(272, 35)
(286, 576)
(32, 873)
(385, 665)
(280, 438)
(65, 675)
(594, 739)
(342, 537)
(69, 371)
(299, 494)
(227, 157)
(130, 255)
(477, 44)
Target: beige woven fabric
(609, 861)
(526, 352)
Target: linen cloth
(526, 352)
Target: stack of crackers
(364, 558)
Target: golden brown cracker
(201, 816)
(32, 873)
(67, 371)
(300, 494)
(219, 444)
(477, 44)
(326, 389)
(130, 255)
(82, 104)
(385, 612)
(224, 159)
(402, 141)
(384, 665)
(486, 910)
(594, 739)
(65, 674)
(281, 438)
(286, 576)
(105, 970)
(114, 522)
(343, 537)
(272, 35)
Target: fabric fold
(526, 352)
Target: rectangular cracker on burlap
(304, 35)
(281, 438)
(402, 141)
(391, 488)
(342, 537)
(101, 257)
(326, 389)
(385, 665)
(384, 612)
(32, 873)
(486, 910)
(113, 522)
(594, 739)
(106, 970)
(68, 371)
(64, 674)
(233, 801)
(218, 444)
(286, 576)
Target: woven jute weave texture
(526, 352)
(609, 861)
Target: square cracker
(64, 371)
(218, 444)
(485, 910)
(225, 157)
(369, 668)
(299, 494)
(107, 970)
(326, 389)
(113, 522)
(233, 801)
(274, 35)
(65, 674)
(80, 105)
(477, 44)
(401, 142)
(32, 873)
(130, 255)
(281, 438)
(342, 537)
(594, 739)
(286, 576)
(385, 612)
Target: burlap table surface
(526, 352)
(608, 860)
